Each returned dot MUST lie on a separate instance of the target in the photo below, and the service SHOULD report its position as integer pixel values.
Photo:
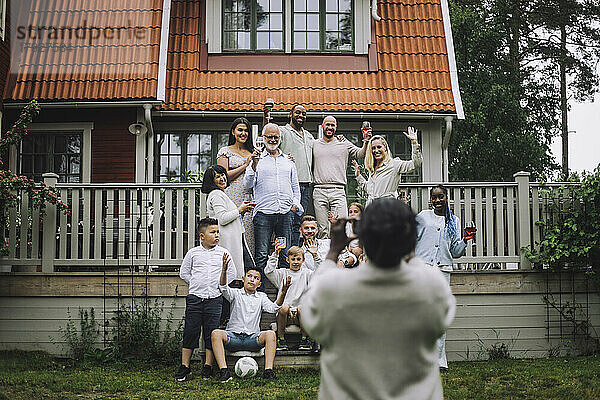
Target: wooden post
(49, 230)
(523, 216)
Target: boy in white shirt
(243, 329)
(201, 270)
(289, 313)
(315, 249)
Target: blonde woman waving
(385, 171)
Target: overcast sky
(584, 144)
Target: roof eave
(452, 60)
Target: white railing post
(49, 230)
(523, 216)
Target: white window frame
(3, 19)
(362, 26)
(86, 143)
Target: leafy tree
(12, 185)
(496, 139)
(508, 66)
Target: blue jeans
(305, 200)
(264, 227)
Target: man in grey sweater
(298, 142)
(330, 161)
(378, 323)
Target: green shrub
(82, 341)
(571, 234)
(139, 334)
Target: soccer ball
(246, 367)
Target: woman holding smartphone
(385, 171)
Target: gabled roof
(72, 69)
(413, 69)
(416, 72)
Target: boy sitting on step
(243, 329)
(300, 275)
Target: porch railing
(142, 226)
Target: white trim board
(162, 57)
(460, 114)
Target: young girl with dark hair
(439, 242)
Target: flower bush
(13, 185)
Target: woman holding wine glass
(439, 242)
(224, 210)
(235, 158)
(385, 171)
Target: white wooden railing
(118, 225)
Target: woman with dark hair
(439, 242)
(223, 209)
(235, 158)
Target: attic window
(253, 25)
(323, 25)
(299, 26)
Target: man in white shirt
(201, 270)
(274, 180)
(315, 249)
(243, 329)
(378, 324)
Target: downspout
(445, 145)
(149, 156)
(374, 11)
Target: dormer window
(300, 26)
(323, 25)
(253, 25)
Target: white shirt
(313, 263)
(275, 184)
(299, 283)
(201, 270)
(246, 309)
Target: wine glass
(260, 143)
(470, 228)
(280, 241)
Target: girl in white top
(385, 171)
(224, 210)
(439, 242)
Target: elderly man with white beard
(274, 179)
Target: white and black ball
(246, 367)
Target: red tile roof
(413, 69)
(66, 68)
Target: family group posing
(257, 194)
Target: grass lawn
(39, 376)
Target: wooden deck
(492, 307)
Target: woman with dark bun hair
(224, 210)
(235, 158)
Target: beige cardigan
(222, 208)
(378, 329)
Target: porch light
(137, 129)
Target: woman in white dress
(224, 210)
(235, 158)
(384, 171)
